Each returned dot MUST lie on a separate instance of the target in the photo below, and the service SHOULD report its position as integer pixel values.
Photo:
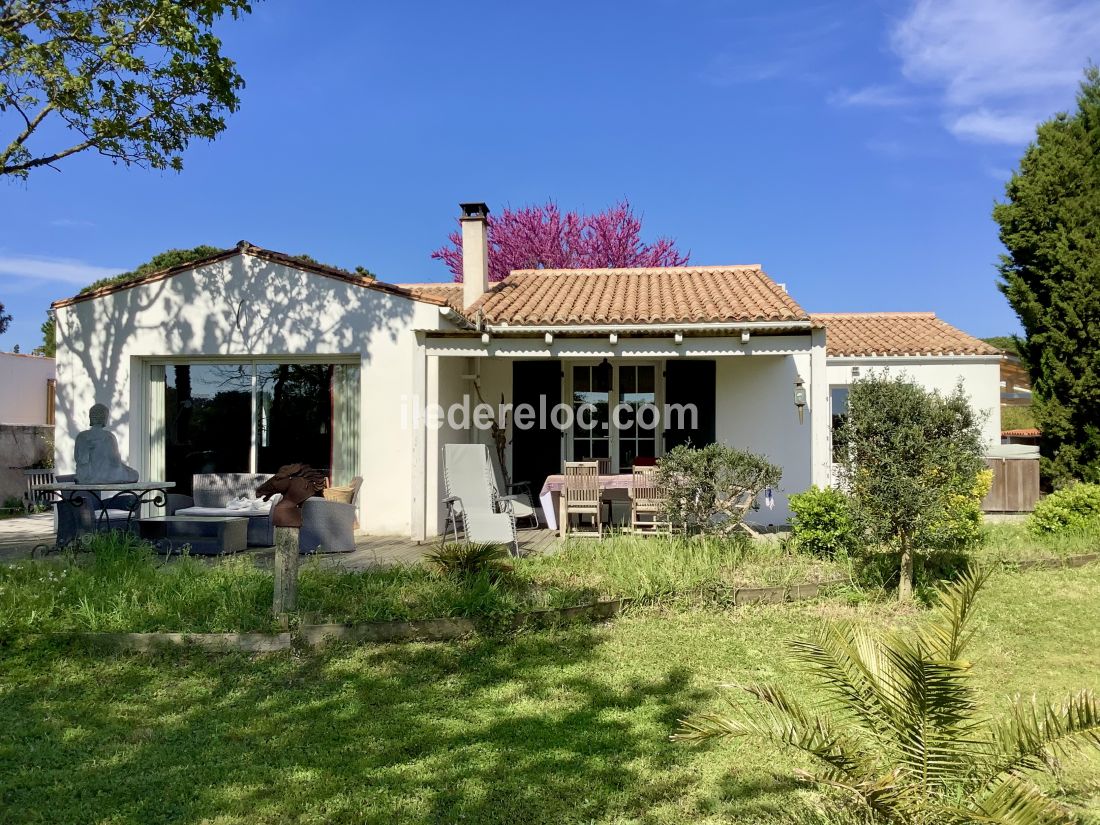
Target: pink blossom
(541, 237)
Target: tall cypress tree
(1050, 225)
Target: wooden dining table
(550, 494)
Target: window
(215, 417)
(592, 411)
(638, 435)
(838, 402)
(598, 389)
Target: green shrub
(960, 525)
(823, 522)
(707, 486)
(1076, 507)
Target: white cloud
(37, 268)
(1000, 65)
(992, 127)
(871, 96)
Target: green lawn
(545, 727)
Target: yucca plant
(897, 731)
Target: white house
(250, 359)
(26, 389)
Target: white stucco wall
(249, 307)
(980, 376)
(756, 412)
(23, 388)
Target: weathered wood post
(286, 571)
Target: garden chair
(605, 465)
(647, 502)
(472, 497)
(580, 495)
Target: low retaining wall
(422, 630)
(442, 630)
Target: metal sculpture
(296, 483)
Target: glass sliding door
(254, 417)
(208, 420)
(293, 416)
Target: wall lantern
(678, 338)
(855, 372)
(613, 338)
(800, 397)
(549, 339)
(485, 338)
(745, 336)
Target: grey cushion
(218, 489)
(327, 526)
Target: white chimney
(475, 251)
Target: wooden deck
(19, 536)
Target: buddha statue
(97, 456)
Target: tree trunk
(905, 582)
(286, 571)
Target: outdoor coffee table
(207, 535)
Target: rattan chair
(647, 502)
(580, 496)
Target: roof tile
(896, 333)
(696, 294)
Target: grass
(1014, 542)
(123, 587)
(564, 726)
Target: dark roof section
(245, 248)
(670, 295)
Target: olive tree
(905, 454)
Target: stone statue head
(97, 415)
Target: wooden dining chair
(580, 496)
(647, 502)
(604, 465)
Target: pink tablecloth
(551, 492)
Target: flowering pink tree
(542, 237)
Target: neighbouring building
(27, 384)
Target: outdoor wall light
(678, 338)
(855, 372)
(745, 336)
(549, 338)
(485, 337)
(800, 397)
(613, 338)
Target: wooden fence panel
(1015, 485)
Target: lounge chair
(472, 497)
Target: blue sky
(855, 149)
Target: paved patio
(19, 536)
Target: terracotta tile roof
(896, 333)
(244, 247)
(1022, 432)
(690, 294)
(448, 293)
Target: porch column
(821, 459)
(418, 496)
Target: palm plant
(898, 732)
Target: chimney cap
(474, 211)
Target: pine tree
(1050, 225)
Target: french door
(614, 412)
